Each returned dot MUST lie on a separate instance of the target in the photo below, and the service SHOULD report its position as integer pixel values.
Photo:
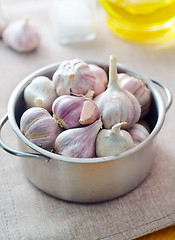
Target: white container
(73, 20)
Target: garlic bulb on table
(139, 89)
(40, 93)
(113, 141)
(116, 104)
(73, 76)
(39, 127)
(21, 36)
(74, 111)
(78, 142)
(138, 133)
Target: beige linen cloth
(26, 212)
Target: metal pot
(91, 179)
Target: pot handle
(12, 151)
(167, 92)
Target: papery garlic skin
(101, 79)
(113, 141)
(39, 127)
(138, 133)
(74, 111)
(139, 89)
(116, 104)
(78, 142)
(21, 36)
(73, 76)
(40, 93)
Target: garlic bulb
(73, 76)
(113, 141)
(3, 19)
(101, 79)
(39, 127)
(138, 133)
(21, 36)
(40, 93)
(72, 111)
(139, 89)
(78, 142)
(116, 104)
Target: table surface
(28, 213)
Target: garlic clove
(78, 142)
(101, 79)
(116, 104)
(139, 89)
(40, 93)
(39, 127)
(113, 141)
(73, 76)
(138, 133)
(89, 113)
(21, 36)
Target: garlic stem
(113, 75)
(90, 94)
(116, 128)
(26, 20)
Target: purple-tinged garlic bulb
(78, 142)
(113, 141)
(116, 104)
(66, 111)
(138, 133)
(39, 127)
(101, 79)
(73, 76)
(139, 89)
(40, 93)
(21, 36)
(74, 111)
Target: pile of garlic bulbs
(83, 113)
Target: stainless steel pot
(91, 179)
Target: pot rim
(52, 67)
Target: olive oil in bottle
(141, 20)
